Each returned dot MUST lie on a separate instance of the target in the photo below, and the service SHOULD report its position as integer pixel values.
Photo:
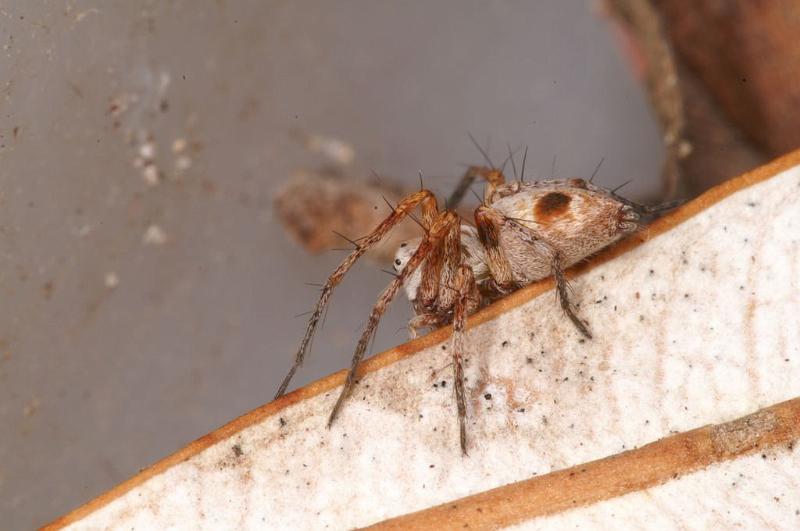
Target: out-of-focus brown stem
(657, 68)
(720, 75)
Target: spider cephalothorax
(522, 232)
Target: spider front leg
(439, 229)
(426, 201)
(488, 221)
(466, 300)
(425, 320)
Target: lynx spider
(523, 232)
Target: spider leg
(467, 289)
(422, 321)
(493, 177)
(488, 221)
(425, 200)
(461, 297)
(562, 289)
(541, 248)
(438, 230)
(428, 291)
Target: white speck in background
(154, 235)
(111, 280)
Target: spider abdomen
(539, 222)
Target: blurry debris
(111, 280)
(147, 150)
(332, 148)
(150, 174)
(31, 408)
(164, 80)
(132, 110)
(47, 289)
(146, 157)
(154, 235)
(83, 14)
(312, 205)
(179, 145)
(183, 163)
(119, 104)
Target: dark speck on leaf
(282, 421)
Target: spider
(522, 232)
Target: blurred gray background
(148, 293)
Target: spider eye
(403, 245)
(398, 262)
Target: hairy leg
(562, 289)
(488, 221)
(424, 320)
(546, 252)
(493, 178)
(425, 200)
(467, 292)
(444, 223)
(428, 291)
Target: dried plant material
(748, 56)
(738, 102)
(654, 62)
(691, 331)
(319, 208)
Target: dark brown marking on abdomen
(551, 206)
